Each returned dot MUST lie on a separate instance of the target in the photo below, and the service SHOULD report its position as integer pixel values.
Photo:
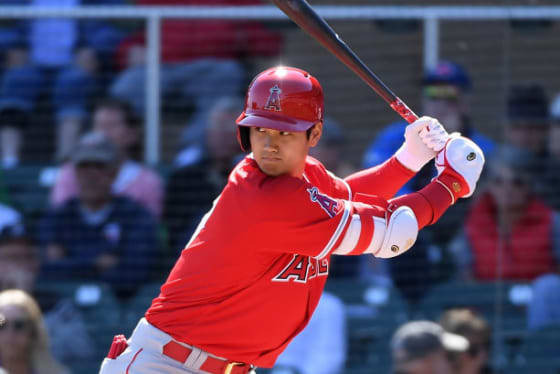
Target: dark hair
(467, 323)
(130, 117)
(244, 136)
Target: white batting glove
(434, 135)
(459, 165)
(415, 151)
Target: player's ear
(316, 132)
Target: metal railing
(430, 15)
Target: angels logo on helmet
(273, 102)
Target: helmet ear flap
(243, 138)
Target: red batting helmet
(281, 98)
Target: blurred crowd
(111, 220)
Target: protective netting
(94, 268)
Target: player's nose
(271, 142)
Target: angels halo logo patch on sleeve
(328, 204)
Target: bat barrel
(306, 18)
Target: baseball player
(250, 277)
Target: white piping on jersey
(338, 231)
(344, 182)
(351, 237)
(202, 222)
(306, 179)
(379, 229)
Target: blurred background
(117, 133)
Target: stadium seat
(539, 353)
(99, 309)
(502, 304)
(28, 187)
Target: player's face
(282, 152)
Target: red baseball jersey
(252, 274)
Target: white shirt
(321, 347)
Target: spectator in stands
(98, 235)
(446, 92)
(527, 119)
(24, 342)
(509, 232)
(548, 182)
(202, 60)
(73, 90)
(422, 347)
(321, 347)
(445, 95)
(18, 260)
(20, 86)
(192, 188)
(331, 149)
(117, 121)
(19, 268)
(475, 329)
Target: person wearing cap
(98, 235)
(19, 269)
(473, 327)
(250, 278)
(446, 90)
(117, 121)
(198, 179)
(509, 232)
(527, 119)
(422, 347)
(445, 93)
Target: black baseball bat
(306, 18)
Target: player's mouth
(271, 158)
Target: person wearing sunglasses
(509, 232)
(24, 347)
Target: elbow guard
(401, 231)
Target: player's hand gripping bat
(305, 17)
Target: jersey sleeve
(291, 215)
(382, 180)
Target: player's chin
(271, 169)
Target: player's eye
(259, 129)
(285, 133)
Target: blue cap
(447, 72)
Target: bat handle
(404, 111)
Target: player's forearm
(428, 204)
(382, 180)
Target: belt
(212, 365)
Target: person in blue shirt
(445, 90)
(98, 236)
